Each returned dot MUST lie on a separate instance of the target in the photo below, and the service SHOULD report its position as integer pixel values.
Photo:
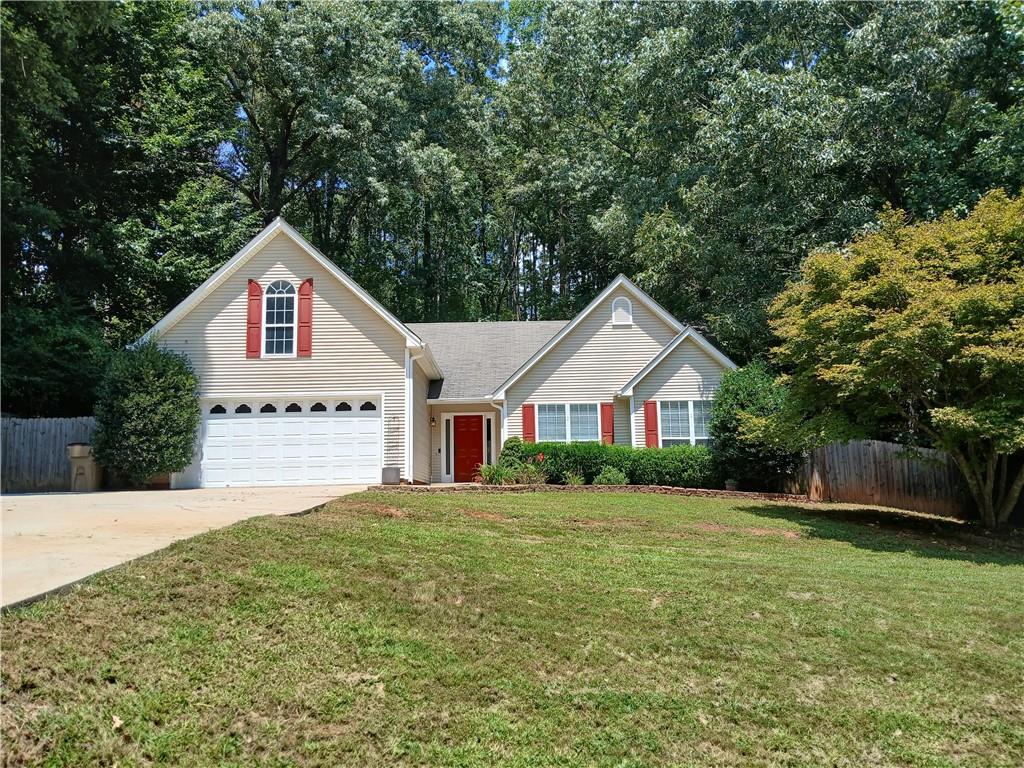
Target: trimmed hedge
(147, 414)
(684, 466)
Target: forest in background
(475, 161)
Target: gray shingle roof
(476, 357)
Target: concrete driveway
(53, 539)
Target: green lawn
(537, 629)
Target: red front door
(469, 447)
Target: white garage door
(291, 442)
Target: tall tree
(103, 117)
(718, 144)
(920, 326)
(476, 161)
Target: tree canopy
(918, 327)
(478, 160)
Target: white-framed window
(568, 422)
(622, 311)
(551, 423)
(584, 422)
(279, 320)
(675, 422)
(683, 422)
(701, 419)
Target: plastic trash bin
(85, 472)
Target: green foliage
(147, 414)
(583, 459)
(529, 473)
(53, 359)
(105, 116)
(920, 326)
(472, 161)
(516, 466)
(756, 463)
(514, 450)
(611, 476)
(497, 474)
(572, 478)
(190, 237)
(682, 466)
(706, 148)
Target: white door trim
(448, 477)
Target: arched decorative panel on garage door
(291, 441)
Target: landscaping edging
(665, 490)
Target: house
(305, 378)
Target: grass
(531, 630)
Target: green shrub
(529, 473)
(682, 466)
(147, 414)
(583, 459)
(513, 451)
(571, 478)
(611, 476)
(755, 464)
(516, 466)
(496, 474)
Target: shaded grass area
(537, 629)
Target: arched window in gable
(622, 311)
(279, 320)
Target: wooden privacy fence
(877, 472)
(35, 452)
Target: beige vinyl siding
(355, 350)
(687, 373)
(591, 363)
(437, 433)
(622, 421)
(420, 426)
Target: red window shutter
(305, 345)
(529, 423)
(651, 423)
(253, 323)
(608, 423)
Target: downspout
(632, 427)
(408, 416)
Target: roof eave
(689, 333)
(278, 225)
(424, 357)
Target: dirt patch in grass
(480, 514)
(748, 530)
(381, 510)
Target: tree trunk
(995, 503)
(1012, 494)
(429, 276)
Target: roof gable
(280, 227)
(619, 282)
(712, 351)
